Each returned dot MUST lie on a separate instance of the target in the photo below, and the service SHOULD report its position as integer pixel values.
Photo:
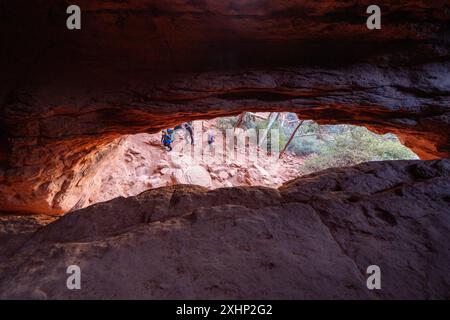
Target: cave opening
(85, 181)
(264, 149)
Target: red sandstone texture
(139, 162)
(312, 238)
(140, 66)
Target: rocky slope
(313, 237)
(136, 163)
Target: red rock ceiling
(143, 65)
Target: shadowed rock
(312, 238)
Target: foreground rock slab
(312, 238)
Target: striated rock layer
(312, 238)
(140, 66)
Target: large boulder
(313, 238)
(195, 175)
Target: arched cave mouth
(81, 115)
(264, 149)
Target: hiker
(189, 130)
(167, 139)
(177, 131)
(211, 139)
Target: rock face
(196, 175)
(312, 238)
(140, 66)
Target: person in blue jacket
(167, 139)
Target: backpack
(166, 138)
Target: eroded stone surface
(312, 238)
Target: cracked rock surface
(313, 237)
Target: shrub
(304, 146)
(329, 145)
(355, 145)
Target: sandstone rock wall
(140, 66)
